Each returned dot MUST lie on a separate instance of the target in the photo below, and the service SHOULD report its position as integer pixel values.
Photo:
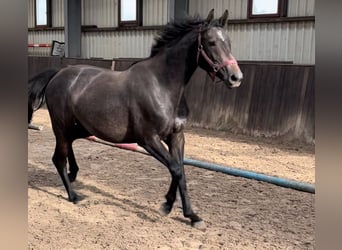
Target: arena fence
(274, 100)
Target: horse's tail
(36, 91)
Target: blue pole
(301, 186)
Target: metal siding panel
(147, 12)
(292, 8)
(307, 45)
(274, 42)
(300, 42)
(100, 13)
(301, 8)
(237, 8)
(30, 14)
(155, 12)
(43, 37)
(111, 45)
(310, 10)
(57, 13)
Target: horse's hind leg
(77, 131)
(60, 159)
(73, 167)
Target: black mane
(173, 31)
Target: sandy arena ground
(122, 192)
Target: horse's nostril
(233, 78)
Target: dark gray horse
(144, 104)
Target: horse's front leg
(173, 159)
(176, 148)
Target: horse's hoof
(164, 209)
(72, 177)
(74, 198)
(199, 225)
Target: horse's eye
(212, 43)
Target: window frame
(281, 11)
(133, 23)
(48, 15)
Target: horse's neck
(178, 62)
(182, 61)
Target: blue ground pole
(301, 186)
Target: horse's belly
(111, 126)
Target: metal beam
(72, 31)
(178, 9)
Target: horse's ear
(224, 18)
(210, 16)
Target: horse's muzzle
(234, 81)
(234, 75)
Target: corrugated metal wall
(288, 41)
(237, 8)
(293, 41)
(155, 12)
(103, 13)
(57, 13)
(44, 37)
(30, 10)
(57, 7)
(124, 44)
(301, 8)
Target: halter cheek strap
(214, 65)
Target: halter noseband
(214, 65)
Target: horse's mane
(173, 31)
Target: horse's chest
(179, 124)
(171, 126)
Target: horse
(144, 104)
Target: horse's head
(214, 51)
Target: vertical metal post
(178, 9)
(181, 9)
(72, 30)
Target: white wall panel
(122, 44)
(30, 8)
(57, 7)
(274, 42)
(287, 41)
(102, 13)
(301, 8)
(237, 8)
(155, 12)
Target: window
(130, 12)
(42, 13)
(267, 8)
